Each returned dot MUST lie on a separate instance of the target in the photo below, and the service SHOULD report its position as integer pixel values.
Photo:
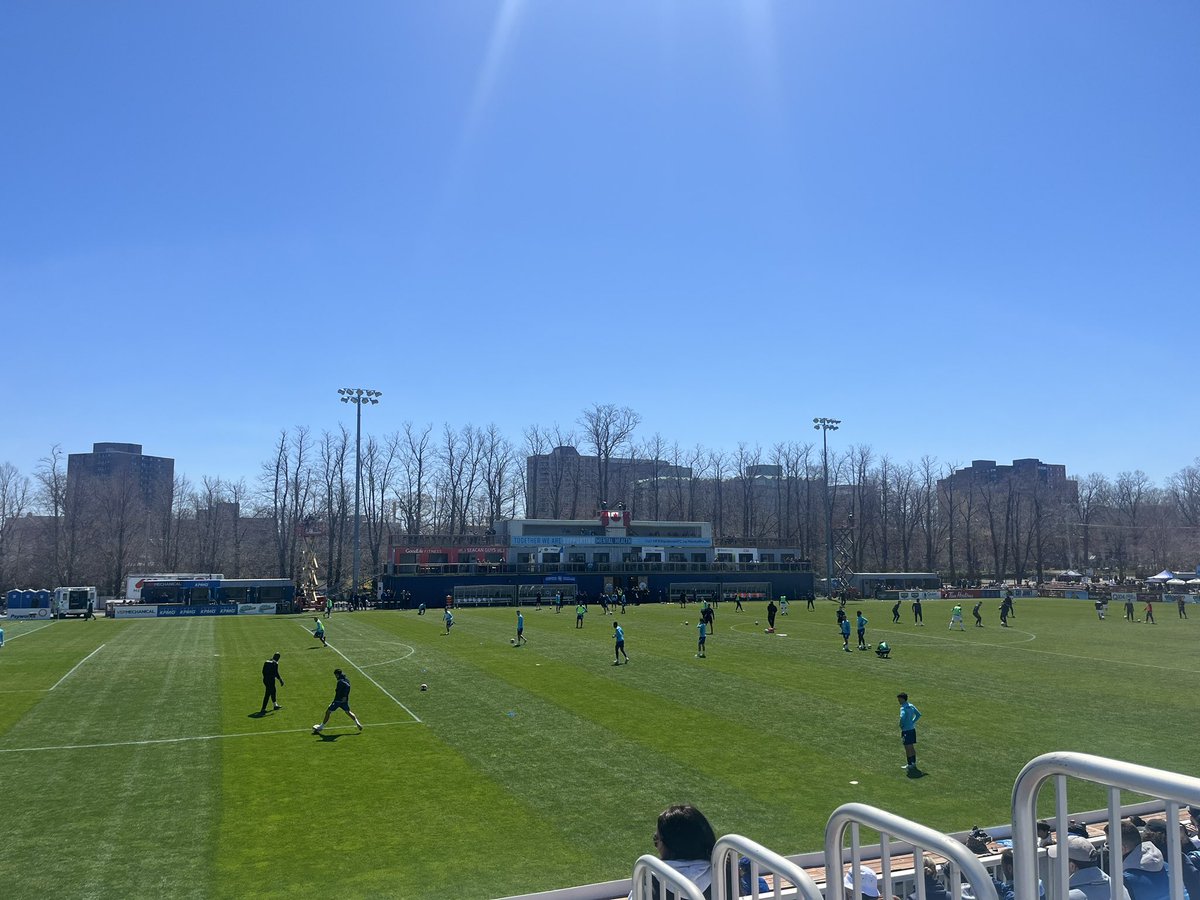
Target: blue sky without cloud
(968, 230)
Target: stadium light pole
(825, 426)
(359, 397)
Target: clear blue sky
(966, 229)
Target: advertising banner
(1124, 597)
(257, 609)
(126, 611)
(211, 609)
(920, 595)
(26, 612)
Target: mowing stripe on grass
(30, 631)
(351, 662)
(201, 737)
(77, 665)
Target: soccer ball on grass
(424, 687)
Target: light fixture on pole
(359, 397)
(825, 426)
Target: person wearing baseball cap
(1088, 881)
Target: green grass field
(133, 763)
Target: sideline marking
(30, 631)
(77, 665)
(202, 737)
(386, 692)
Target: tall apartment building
(564, 484)
(112, 467)
(1026, 475)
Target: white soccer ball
(512, 640)
(316, 729)
(756, 621)
(424, 687)
(685, 623)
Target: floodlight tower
(825, 426)
(359, 397)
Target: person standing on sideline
(270, 673)
(896, 612)
(701, 629)
(1149, 611)
(91, 610)
(319, 632)
(619, 639)
(909, 715)
(1129, 610)
(811, 603)
(956, 616)
(1182, 608)
(580, 610)
(771, 610)
(341, 700)
(448, 618)
(918, 616)
(521, 639)
(975, 613)
(328, 607)
(860, 622)
(844, 626)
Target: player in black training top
(270, 675)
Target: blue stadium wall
(432, 589)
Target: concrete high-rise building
(565, 484)
(1026, 475)
(111, 468)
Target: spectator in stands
(1144, 872)
(684, 841)
(1156, 833)
(1004, 884)
(1087, 880)
(868, 883)
(1194, 812)
(1044, 834)
(934, 889)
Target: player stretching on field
(319, 632)
(341, 700)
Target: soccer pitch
(134, 762)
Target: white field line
(385, 691)
(202, 737)
(30, 631)
(77, 665)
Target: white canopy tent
(1164, 575)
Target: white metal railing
(649, 870)
(963, 863)
(725, 874)
(1175, 789)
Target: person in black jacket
(341, 700)
(270, 673)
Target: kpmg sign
(600, 540)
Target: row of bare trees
(420, 481)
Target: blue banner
(212, 609)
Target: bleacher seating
(899, 858)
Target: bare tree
(607, 429)
(16, 495)
(415, 461)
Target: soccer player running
(448, 618)
(521, 639)
(319, 632)
(270, 673)
(341, 700)
(909, 715)
(619, 639)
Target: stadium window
(600, 558)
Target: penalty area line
(202, 737)
(351, 662)
(77, 665)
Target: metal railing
(851, 815)
(650, 870)
(725, 859)
(1174, 789)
